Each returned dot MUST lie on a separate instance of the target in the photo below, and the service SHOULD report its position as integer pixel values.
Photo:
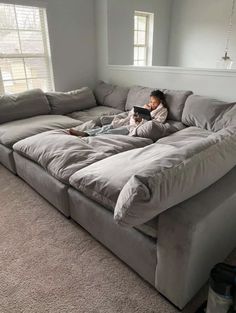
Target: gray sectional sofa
(163, 202)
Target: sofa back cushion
(22, 105)
(138, 96)
(71, 101)
(111, 95)
(208, 113)
(175, 101)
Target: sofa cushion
(175, 101)
(22, 105)
(185, 137)
(111, 95)
(154, 130)
(164, 182)
(138, 96)
(62, 155)
(14, 131)
(208, 113)
(102, 181)
(67, 102)
(94, 113)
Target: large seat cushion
(22, 105)
(208, 113)
(175, 101)
(94, 113)
(67, 102)
(12, 132)
(102, 181)
(111, 95)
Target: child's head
(156, 97)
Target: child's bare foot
(77, 133)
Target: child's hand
(147, 106)
(137, 118)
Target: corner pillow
(179, 175)
(71, 101)
(175, 101)
(23, 105)
(111, 95)
(208, 113)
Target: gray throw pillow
(111, 95)
(68, 102)
(208, 113)
(175, 101)
(22, 105)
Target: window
(25, 61)
(143, 38)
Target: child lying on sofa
(129, 125)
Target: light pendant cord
(230, 28)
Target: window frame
(148, 38)
(24, 56)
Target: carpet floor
(50, 264)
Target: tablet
(143, 113)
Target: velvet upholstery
(192, 237)
(134, 248)
(6, 158)
(46, 185)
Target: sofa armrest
(192, 237)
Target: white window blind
(25, 61)
(143, 38)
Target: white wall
(121, 24)
(198, 32)
(217, 84)
(72, 39)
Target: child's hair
(160, 95)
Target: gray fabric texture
(14, 131)
(150, 228)
(62, 154)
(102, 181)
(6, 158)
(135, 249)
(138, 96)
(107, 119)
(193, 237)
(208, 113)
(47, 186)
(94, 113)
(111, 95)
(185, 137)
(75, 100)
(179, 175)
(22, 105)
(154, 130)
(175, 101)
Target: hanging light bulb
(226, 62)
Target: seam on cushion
(83, 189)
(108, 94)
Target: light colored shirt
(159, 115)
